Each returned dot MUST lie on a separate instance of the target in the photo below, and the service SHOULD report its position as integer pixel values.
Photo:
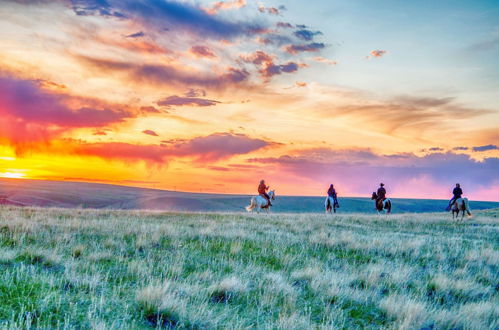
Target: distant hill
(95, 195)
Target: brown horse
(460, 204)
(386, 204)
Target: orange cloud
(203, 149)
(376, 53)
(225, 5)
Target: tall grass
(63, 268)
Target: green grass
(62, 268)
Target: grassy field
(64, 268)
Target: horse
(260, 203)
(385, 205)
(460, 204)
(330, 205)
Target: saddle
(379, 203)
(332, 202)
(267, 199)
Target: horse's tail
(467, 205)
(252, 205)
(389, 205)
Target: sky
(207, 96)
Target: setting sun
(12, 175)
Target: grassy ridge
(138, 269)
(95, 196)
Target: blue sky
(432, 46)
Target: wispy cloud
(202, 51)
(168, 74)
(311, 47)
(324, 60)
(205, 149)
(376, 53)
(136, 35)
(486, 148)
(150, 132)
(175, 100)
(225, 5)
(306, 35)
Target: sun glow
(12, 175)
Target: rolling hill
(94, 195)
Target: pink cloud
(204, 149)
(150, 132)
(376, 53)
(29, 113)
(202, 51)
(324, 60)
(405, 175)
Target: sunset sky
(210, 96)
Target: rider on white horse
(262, 190)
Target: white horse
(460, 204)
(260, 203)
(330, 205)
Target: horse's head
(374, 195)
(272, 194)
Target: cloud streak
(203, 149)
(486, 148)
(311, 48)
(180, 101)
(168, 74)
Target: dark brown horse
(385, 204)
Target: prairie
(102, 269)
(65, 194)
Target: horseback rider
(457, 192)
(381, 193)
(262, 190)
(331, 192)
